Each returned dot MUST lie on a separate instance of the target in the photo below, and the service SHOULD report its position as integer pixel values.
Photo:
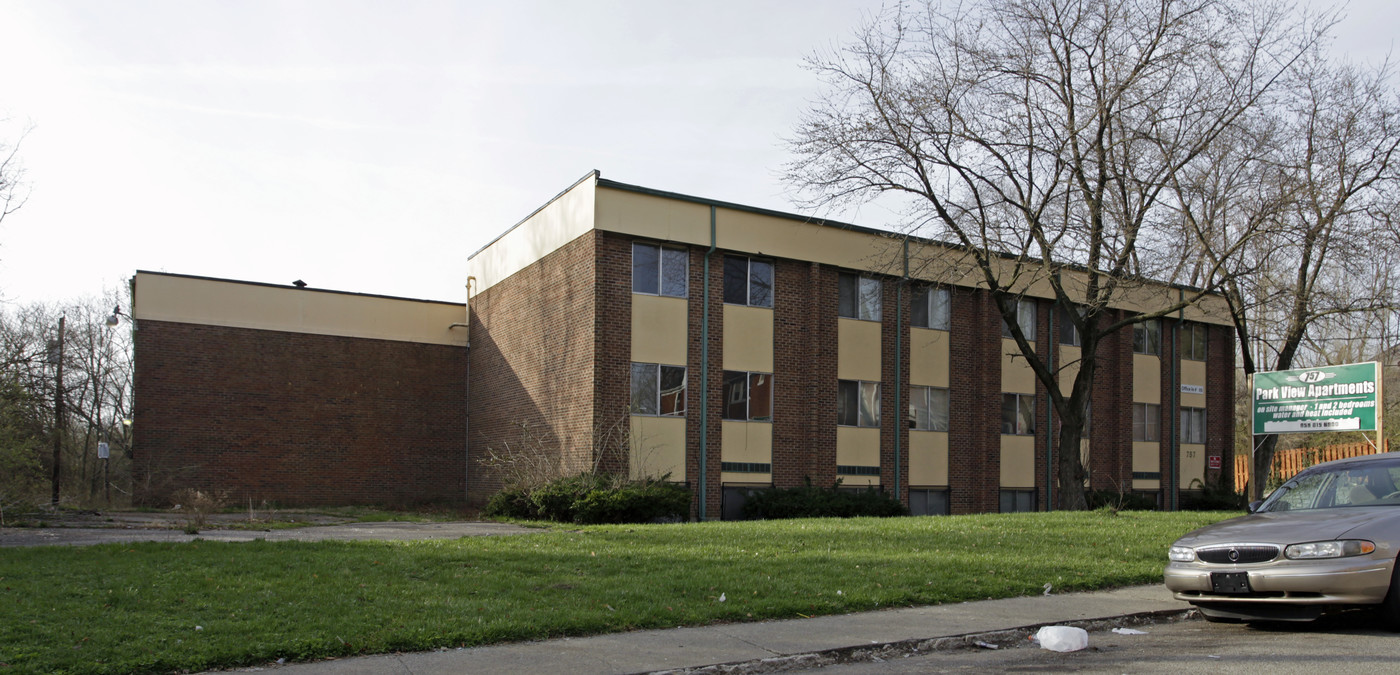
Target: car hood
(1290, 527)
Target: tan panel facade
(653, 217)
(858, 350)
(1147, 379)
(1193, 373)
(659, 330)
(928, 357)
(1018, 461)
(658, 447)
(748, 338)
(557, 223)
(1016, 374)
(1192, 465)
(1147, 458)
(857, 446)
(928, 458)
(748, 442)
(790, 238)
(216, 302)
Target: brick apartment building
(726, 347)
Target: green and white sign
(1332, 398)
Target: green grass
(164, 607)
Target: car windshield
(1345, 485)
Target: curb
(1003, 638)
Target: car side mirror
(1253, 506)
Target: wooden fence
(1287, 463)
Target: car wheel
(1389, 609)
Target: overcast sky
(373, 146)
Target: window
(1017, 501)
(659, 271)
(1018, 414)
(748, 396)
(1069, 333)
(1193, 341)
(857, 403)
(859, 297)
(928, 408)
(658, 390)
(1147, 422)
(1025, 317)
(1147, 337)
(928, 502)
(932, 308)
(1193, 425)
(748, 281)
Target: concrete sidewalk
(784, 645)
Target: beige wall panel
(858, 350)
(1147, 485)
(788, 238)
(1193, 372)
(928, 458)
(746, 442)
(748, 338)
(225, 303)
(557, 223)
(1147, 379)
(928, 357)
(658, 447)
(1017, 461)
(734, 477)
(1016, 375)
(659, 329)
(1192, 465)
(653, 217)
(857, 446)
(1147, 456)
(1068, 363)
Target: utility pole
(58, 413)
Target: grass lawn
(151, 607)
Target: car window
(1300, 493)
(1368, 484)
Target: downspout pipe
(1173, 487)
(467, 386)
(900, 426)
(705, 373)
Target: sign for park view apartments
(1332, 398)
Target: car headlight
(1329, 549)
(1181, 554)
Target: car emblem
(1234, 555)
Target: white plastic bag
(1062, 638)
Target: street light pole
(58, 413)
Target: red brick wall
(1220, 401)
(297, 419)
(974, 402)
(534, 337)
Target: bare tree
(1040, 138)
(1314, 197)
(12, 192)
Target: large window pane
(1147, 337)
(940, 311)
(870, 404)
(869, 299)
(1069, 333)
(760, 397)
(919, 309)
(760, 283)
(736, 395)
(736, 280)
(646, 264)
(1147, 422)
(672, 390)
(644, 393)
(1025, 318)
(847, 402)
(846, 295)
(1017, 414)
(928, 408)
(674, 269)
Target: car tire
(1389, 609)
